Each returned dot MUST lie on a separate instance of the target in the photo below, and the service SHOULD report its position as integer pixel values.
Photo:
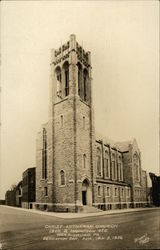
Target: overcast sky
(123, 37)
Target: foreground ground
(24, 230)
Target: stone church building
(78, 169)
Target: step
(90, 209)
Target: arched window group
(99, 172)
(62, 178)
(44, 155)
(62, 77)
(110, 165)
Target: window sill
(107, 177)
(99, 176)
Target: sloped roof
(121, 146)
(106, 140)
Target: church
(76, 168)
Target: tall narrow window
(106, 164)
(128, 192)
(84, 161)
(66, 82)
(79, 87)
(85, 92)
(46, 191)
(98, 162)
(59, 76)
(99, 190)
(62, 178)
(113, 166)
(120, 169)
(61, 121)
(122, 192)
(136, 166)
(66, 78)
(44, 155)
(137, 172)
(116, 192)
(59, 83)
(85, 84)
(79, 78)
(84, 122)
(108, 191)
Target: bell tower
(70, 130)
(71, 72)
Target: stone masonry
(75, 166)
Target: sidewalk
(84, 215)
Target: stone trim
(108, 203)
(57, 204)
(111, 182)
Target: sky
(123, 37)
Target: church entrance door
(84, 200)
(86, 192)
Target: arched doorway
(86, 192)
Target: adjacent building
(155, 190)
(10, 197)
(19, 194)
(76, 167)
(28, 188)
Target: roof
(29, 170)
(121, 146)
(106, 140)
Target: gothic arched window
(62, 178)
(58, 74)
(44, 155)
(98, 162)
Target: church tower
(65, 145)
